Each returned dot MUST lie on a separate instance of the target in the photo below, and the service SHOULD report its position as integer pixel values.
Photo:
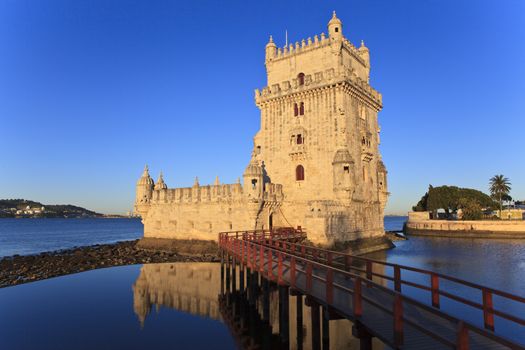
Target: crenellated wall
(196, 194)
(200, 212)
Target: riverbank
(20, 269)
(419, 224)
(28, 268)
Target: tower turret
(160, 185)
(144, 192)
(343, 173)
(364, 52)
(271, 50)
(253, 180)
(335, 28)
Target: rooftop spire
(160, 185)
(145, 179)
(335, 27)
(217, 183)
(196, 182)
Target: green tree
(471, 209)
(499, 189)
(449, 198)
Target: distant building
(510, 214)
(315, 161)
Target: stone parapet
(212, 193)
(320, 80)
(307, 45)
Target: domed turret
(342, 156)
(253, 169)
(144, 192)
(364, 52)
(145, 179)
(335, 28)
(271, 50)
(160, 185)
(253, 179)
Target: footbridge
(404, 307)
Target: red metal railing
(261, 250)
(333, 258)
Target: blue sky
(91, 90)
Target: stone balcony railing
(319, 79)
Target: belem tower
(315, 161)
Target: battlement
(317, 80)
(309, 45)
(273, 192)
(212, 193)
(197, 193)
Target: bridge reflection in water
(259, 313)
(264, 315)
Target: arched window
(299, 139)
(301, 109)
(300, 78)
(299, 173)
(295, 110)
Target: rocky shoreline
(18, 269)
(22, 269)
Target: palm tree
(499, 189)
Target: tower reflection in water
(259, 314)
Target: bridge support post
(241, 278)
(299, 311)
(248, 283)
(266, 300)
(234, 274)
(228, 274)
(365, 338)
(222, 273)
(284, 316)
(326, 328)
(316, 326)
(254, 281)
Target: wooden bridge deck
(360, 296)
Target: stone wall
(419, 224)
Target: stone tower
(315, 162)
(319, 136)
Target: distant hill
(11, 208)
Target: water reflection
(258, 313)
(187, 287)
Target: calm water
(132, 307)
(30, 236)
(395, 223)
(180, 306)
(499, 264)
